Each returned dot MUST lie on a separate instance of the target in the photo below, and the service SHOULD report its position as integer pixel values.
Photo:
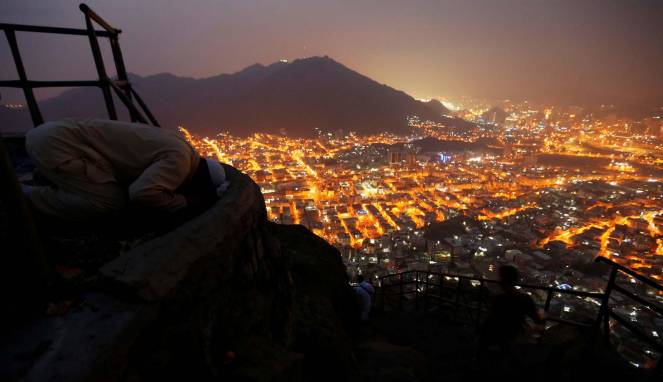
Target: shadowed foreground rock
(228, 296)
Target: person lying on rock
(98, 168)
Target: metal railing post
(400, 294)
(382, 292)
(99, 64)
(605, 308)
(127, 102)
(35, 114)
(426, 285)
(457, 292)
(457, 299)
(122, 75)
(440, 300)
(549, 296)
(479, 303)
(145, 109)
(416, 290)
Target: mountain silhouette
(295, 98)
(438, 107)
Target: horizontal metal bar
(398, 293)
(48, 84)
(630, 272)
(649, 304)
(479, 279)
(537, 287)
(476, 307)
(120, 83)
(55, 30)
(568, 291)
(570, 322)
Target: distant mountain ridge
(438, 107)
(294, 98)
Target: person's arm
(155, 188)
(369, 287)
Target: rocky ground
(227, 295)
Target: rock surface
(228, 295)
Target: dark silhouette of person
(365, 292)
(508, 312)
(498, 350)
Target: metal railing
(121, 86)
(607, 312)
(424, 288)
(22, 224)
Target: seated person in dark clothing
(508, 312)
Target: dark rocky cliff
(227, 295)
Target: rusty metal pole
(416, 290)
(37, 119)
(479, 303)
(122, 74)
(400, 293)
(99, 64)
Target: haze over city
(556, 51)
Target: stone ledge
(221, 282)
(153, 269)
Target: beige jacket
(150, 162)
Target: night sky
(553, 50)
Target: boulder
(227, 295)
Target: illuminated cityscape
(543, 184)
(543, 188)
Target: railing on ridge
(425, 288)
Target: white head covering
(218, 176)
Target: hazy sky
(488, 48)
